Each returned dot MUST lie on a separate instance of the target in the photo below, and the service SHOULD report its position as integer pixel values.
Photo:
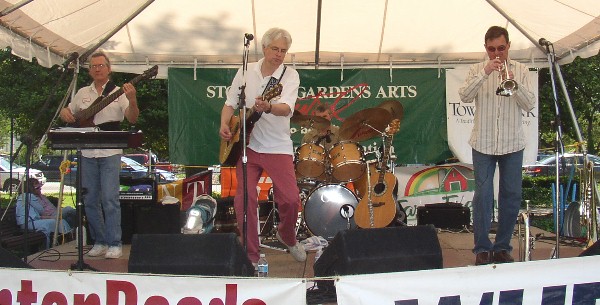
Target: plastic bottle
(263, 266)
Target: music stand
(89, 138)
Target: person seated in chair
(42, 213)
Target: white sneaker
(97, 250)
(297, 251)
(114, 252)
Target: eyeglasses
(97, 66)
(493, 49)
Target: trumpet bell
(507, 88)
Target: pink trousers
(280, 168)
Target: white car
(18, 173)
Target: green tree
(582, 80)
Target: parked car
(132, 169)
(145, 160)
(547, 166)
(18, 173)
(50, 166)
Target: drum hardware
(507, 85)
(269, 238)
(326, 137)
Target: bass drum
(330, 209)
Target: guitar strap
(108, 88)
(274, 81)
(112, 125)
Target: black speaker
(382, 250)
(190, 254)
(148, 218)
(444, 215)
(7, 259)
(591, 250)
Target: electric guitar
(230, 151)
(85, 117)
(377, 208)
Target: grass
(68, 199)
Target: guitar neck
(385, 158)
(101, 102)
(98, 105)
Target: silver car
(18, 173)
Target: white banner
(24, 286)
(460, 118)
(559, 281)
(420, 185)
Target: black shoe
(482, 258)
(503, 256)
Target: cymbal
(309, 121)
(365, 124)
(394, 107)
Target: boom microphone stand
(28, 139)
(559, 153)
(242, 107)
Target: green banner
(195, 109)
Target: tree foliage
(582, 82)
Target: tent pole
(13, 8)
(90, 50)
(318, 42)
(515, 24)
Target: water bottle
(263, 266)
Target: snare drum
(310, 160)
(347, 162)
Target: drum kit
(330, 179)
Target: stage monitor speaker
(189, 254)
(444, 215)
(592, 250)
(382, 250)
(7, 259)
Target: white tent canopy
(326, 33)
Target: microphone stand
(242, 107)
(558, 153)
(552, 64)
(28, 139)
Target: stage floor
(456, 252)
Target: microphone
(71, 58)
(328, 136)
(249, 36)
(544, 43)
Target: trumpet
(508, 86)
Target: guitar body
(377, 207)
(382, 202)
(230, 151)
